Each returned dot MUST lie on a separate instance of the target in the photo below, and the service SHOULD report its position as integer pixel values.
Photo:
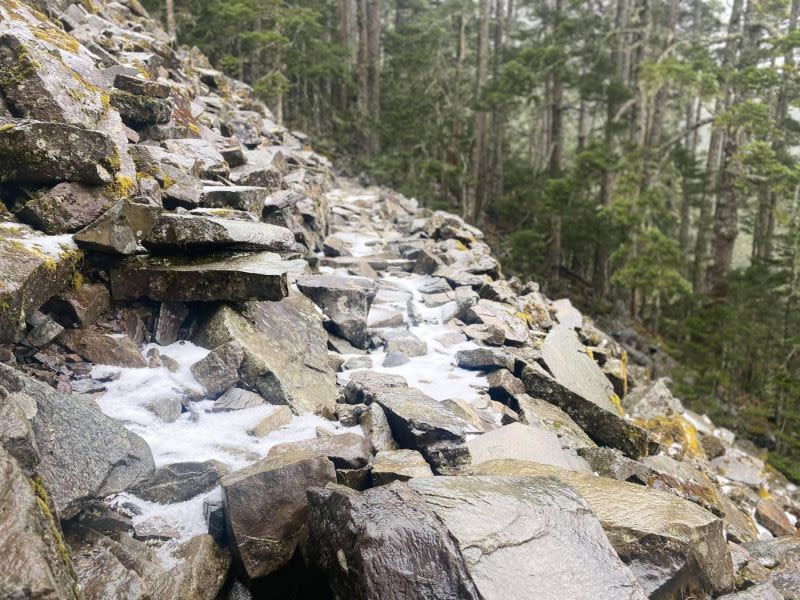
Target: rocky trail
(227, 372)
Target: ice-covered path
(132, 394)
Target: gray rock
(382, 536)
(491, 335)
(503, 386)
(611, 463)
(178, 482)
(208, 159)
(120, 229)
(669, 543)
(502, 316)
(137, 110)
(333, 246)
(405, 342)
(518, 442)
(219, 370)
(265, 509)
(84, 453)
(398, 465)
(178, 189)
(171, 316)
(66, 208)
(80, 306)
(418, 422)
(141, 87)
(236, 399)
(345, 300)
(239, 197)
(104, 348)
(16, 433)
(376, 428)
(345, 451)
(200, 574)
(761, 591)
(740, 467)
(484, 359)
(364, 386)
(357, 362)
(527, 538)
(179, 233)
(37, 564)
(253, 175)
(279, 417)
(394, 359)
(236, 277)
(650, 402)
(285, 355)
(39, 153)
(167, 409)
(44, 331)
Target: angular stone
(44, 330)
(503, 385)
(333, 246)
(236, 399)
(240, 197)
(741, 467)
(651, 402)
(178, 482)
(669, 543)
(171, 316)
(419, 422)
(66, 208)
(491, 335)
(219, 370)
(178, 189)
(501, 523)
(345, 451)
(175, 233)
(120, 229)
(500, 315)
(253, 175)
(265, 509)
(81, 306)
(84, 454)
(285, 355)
(394, 359)
(611, 463)
(484, 359)
(405, 342)
(16, 433)
(39, 153)
(167, 409)
(200, 574)
(383, 536)
(31, 271)
(235, 277)
(104, 348)
(762, 591)
(279, 417)
(357, 362)
(398, 465)
(364, 386)
(141, 87)
(381, 317)
(345, 300)
(518, 442)
(376, 428)
(36, 562)
(138, 111)
(208, 159)
(771, 516)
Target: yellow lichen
(674, 430)
(122, 187)
(6, 126)
(764, 493)
(617, 403)
(194, 128)
(43, 500)
(57, 37)
(167, 181)
(460, 245)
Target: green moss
(43, 499)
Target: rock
(32, 269)
(611, 463)
(380, 318)
(418, 422)
(219, 370)
(771, 516)
(405, 342)
(167, 409)
(491, 335)
(503, 385)
(394, 359)
(279, 417)
(740, 467)
(669, 543)
(368, 544)
(345, 451)
(285, 355)
(66, 208)
(84, 453)
(484, 359)
(175, 233)
(357, 362)
(237, 398)
(345, 300)
(333, 246)
(712, 446)
(527, 517)
(208, 159)
(579, 387)
(36, 561)
(762, 591)
(364, 386)
(44, 330)
(238, 197)
(518, 442)
(236, 278)
(653, 401)
(120, 229)
(376, 428)
(501, 316)
(171, 316)
(178, 189)
(253, 175)
(349, 415)
(104, 348)
(80, 306)
(265, 509)
(141, 87)
(16, 433)
(138, 111)
(178, 482)
(35, 152)
(398, 465)
(566, 314)
(200, 573)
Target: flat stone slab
(519, 442)
(236, 278)
(238, 197)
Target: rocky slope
(228, 373)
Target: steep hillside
(227, 373)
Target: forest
(638, 155)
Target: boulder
(346, 302)
(418, 422)
(16, 433)
(265, 509)
(207, 158)
(219, 370)
(36, 561)
(178, 188)
(384, 543)
(285, 356)
(376, 428)
(80, 306)
(240, 197)
(501, 316)
(175, 233)
(761, 591)
(32, 269)
(84, 453)
(279, 417)
(345, 451)
(398, 465)
(519, 442)
(527, 538)
(364, 386)
(394, 359)
(503, 386)
(406, 342)
(178, 482)
(115, 349)
(66, 208)
(44, 330)
(771, 516)
(741, 467)
(234, 277)
(138, 110)
(171, 316)
(120, 229)
(653, 401)
(669, 543)
(484, 359)
(200, 574)
(237, 398)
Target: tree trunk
(479, 145)
(556, 149)
(726, 220)
(373, 71)
(171, 20)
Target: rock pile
(225, 371)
